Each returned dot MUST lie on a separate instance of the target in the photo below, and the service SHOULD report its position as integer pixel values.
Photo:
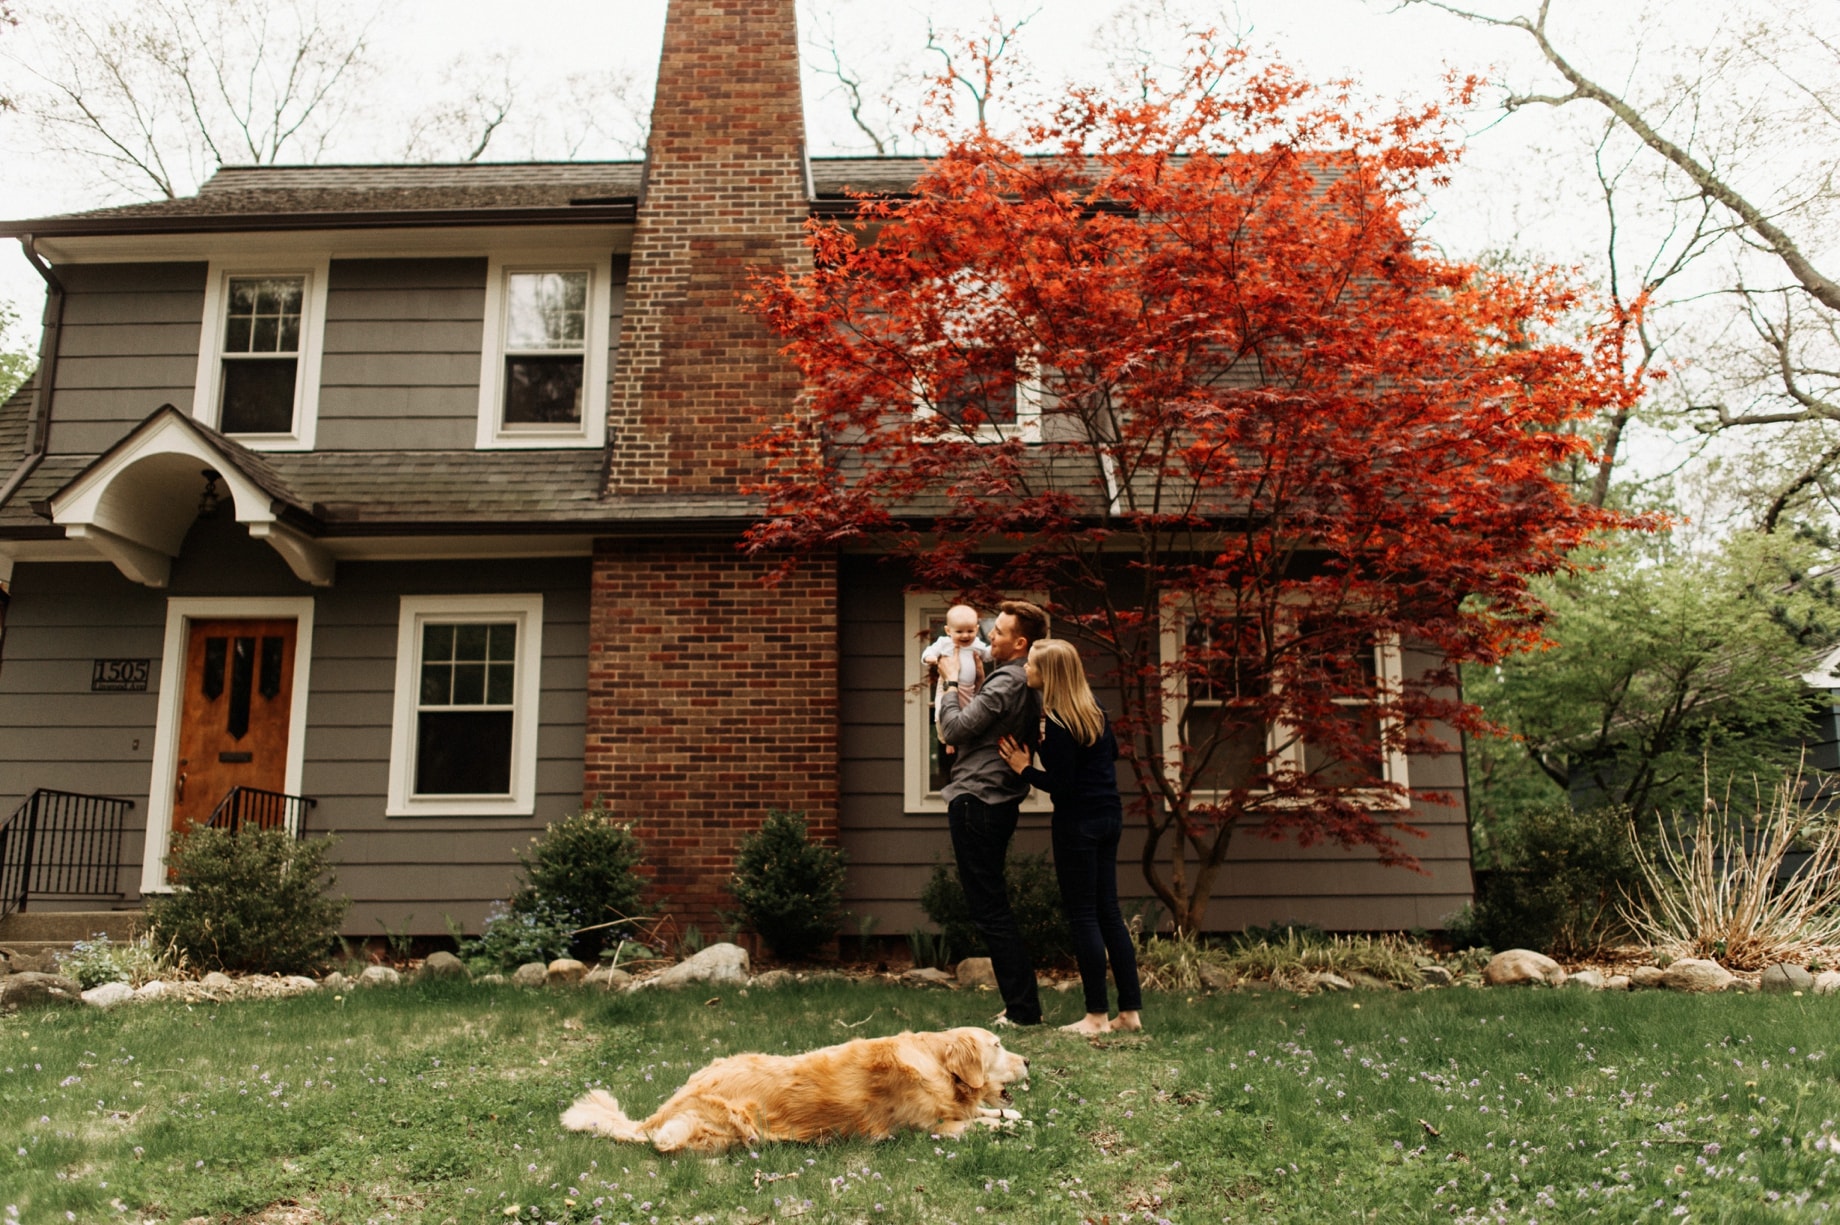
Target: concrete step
(62, 928)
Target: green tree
(18, 353)
(1671, 672)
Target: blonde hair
(1065, 695)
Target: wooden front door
(233, 722)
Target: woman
(1077, 752)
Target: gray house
(402, 502)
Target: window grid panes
(546, 329)
(261, 347)
(465, 707)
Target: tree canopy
(1177, 361)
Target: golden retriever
(945, 1083)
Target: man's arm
(960, 726)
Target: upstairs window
(543, 374)
(993, 396)
(258, 363)
(261, 354)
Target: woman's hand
(1014, 755)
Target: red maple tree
(1181, 363)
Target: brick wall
(724, 191)
(711, 699)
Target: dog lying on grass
(945, 1083)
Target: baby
(958, 658)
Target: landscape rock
(298, 984)
(1519, 966)
(1827, 982)
(1589, 980)
(1696, 974)
(611, 978)
(153, 989)
(1213, 977)
(1647, 977)
(720, 965)
(108, 995)
(334, 981)
(35, 963)
(1435, 976)
(33, 989)
(1330, 982)
(564, 972)
(218, 983)
(442, 965)
(492, 980)
(771, 979)
(928, 976)
(530, 974)
(379, 976)
(976, 972)
(1786, 977)
(1361, 980)
(1617, 982)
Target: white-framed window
(259, 352)
(986, 404)
(1221, 714)
(543, 367)
(463, 740)
(923, 770)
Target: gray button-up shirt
(1005, 706)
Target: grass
(438, 1103)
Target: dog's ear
(964, 1058)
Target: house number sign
(119, 676)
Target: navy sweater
(1079, 778)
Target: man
(984, 798)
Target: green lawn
(439, 1103)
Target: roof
(385, 196)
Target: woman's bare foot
(1088, 1025)
(1126, 1022)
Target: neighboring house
(406, 499)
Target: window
(543, 377)
(258, 371)
(992, 397)
(922, 765)
(1218, 715)
(464, 735)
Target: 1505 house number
(119, 676)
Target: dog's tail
(596, 1111)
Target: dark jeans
(980, 842)
(1086, 861)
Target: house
(403, 501)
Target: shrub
(98, 960)
(1289, 956)
(789, 888)
(1563, 874)
(582, 872)
(254, 900)
(1720, 892)
(512, 937)
(1034, 896)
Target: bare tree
(1723, 135)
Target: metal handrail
(259, 809)
(62, 842)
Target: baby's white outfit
(966, 673)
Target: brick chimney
(725, 190)
(711, 697)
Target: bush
(255, 900)
(582, 872)
(513, 937)
(789, 888)
(1563, 875)
(1034, 896)
(99, 960)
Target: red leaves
(1194, 364)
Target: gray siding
(406, 872)
(130, 344)
(401, 362)
(892, 852)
